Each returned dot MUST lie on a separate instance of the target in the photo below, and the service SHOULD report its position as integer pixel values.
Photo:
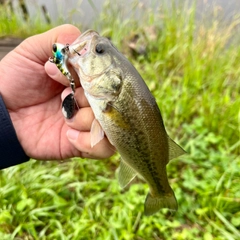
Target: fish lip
(83, 41)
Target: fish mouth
(81, 45)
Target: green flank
(192, 67)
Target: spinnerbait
(60, 59)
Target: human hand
(32, 91)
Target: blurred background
(188, 53)
(85, 12)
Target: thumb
(38, 48)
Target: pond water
(86, 11)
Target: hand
(32, 91)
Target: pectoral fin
(97, 133)
(126, 174)
(174, 149)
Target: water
(83, 12)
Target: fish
(127, 113)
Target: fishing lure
(60, 58)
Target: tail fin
(154, 204)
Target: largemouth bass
(128, 114)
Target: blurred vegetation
(193, 70)
(16, 23)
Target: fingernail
(72, 134)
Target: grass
(193, 71)
(12, 24)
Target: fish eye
(100, 48)
(54, 47)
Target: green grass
(193, 70)
(12, 23)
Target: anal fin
(126, 174)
